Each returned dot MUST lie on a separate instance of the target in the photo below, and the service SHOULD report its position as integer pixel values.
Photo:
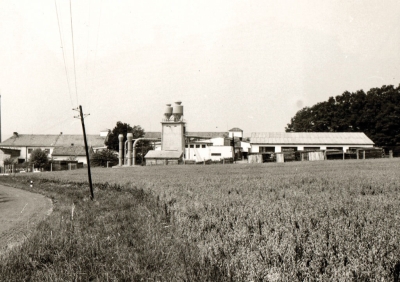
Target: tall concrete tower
(173, 129)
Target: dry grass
(276, 222)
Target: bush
(101, 158)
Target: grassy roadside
(310, 221)
(125, 235)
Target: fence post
(391, 154)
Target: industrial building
(264, 144)
(175, 145)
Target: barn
(263, 143)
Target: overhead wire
(63, 53)
(95, 51)
(73, 50)
(49, 125)
(87, 50)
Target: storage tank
(178, 111)
(168, 111)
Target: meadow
(303, 221)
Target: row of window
(264, 149)
(197, 146)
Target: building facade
(277, 142)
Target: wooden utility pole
(81, 116)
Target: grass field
(326, 221)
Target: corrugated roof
(163, 155)
(152, 134)
(356, 138)
(208, 134)
(51, 140)
(69, 151)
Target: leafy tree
(376, 113)
(112, 142)
(101, 158)
(10, 161)
(142, 148)
(39, 158)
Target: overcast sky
(246, 64)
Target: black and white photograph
(188, 140)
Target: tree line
(376, 113)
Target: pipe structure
(121, 149)
(130, 137)
(134, 146)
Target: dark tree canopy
(376, 113)
(39, 158)
(101, 158)
(112, 142)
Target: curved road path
(20, 210)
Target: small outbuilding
(76, 153)
(163, 157)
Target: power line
(95, 52)
(73, 50)
(87, 49)
(62, 47)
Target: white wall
(197, 154)
(245, 146)
(172, 136)
(225, 151)
(218, 141)
(235, 134)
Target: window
(264, 149)
(47, 151)
(197, 146)
(289, 149)
(30, 151)
(186, 146)
(203, 146)
(191, 146)
(215, 154)
(311, 148)
(335, 148)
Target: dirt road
(19, 212)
